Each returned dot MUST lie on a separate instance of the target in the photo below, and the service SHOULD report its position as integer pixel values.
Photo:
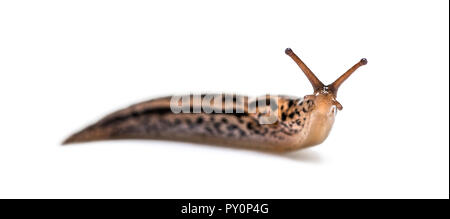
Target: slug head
(325, 95)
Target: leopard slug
(275, 123)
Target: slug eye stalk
(315, 82)
(333, 87)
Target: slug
(274, 123)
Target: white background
(65, 64)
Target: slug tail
(91, 133)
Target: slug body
(276, 123)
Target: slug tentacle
(336, 84)
(315, 82)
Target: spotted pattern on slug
(153, 119)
